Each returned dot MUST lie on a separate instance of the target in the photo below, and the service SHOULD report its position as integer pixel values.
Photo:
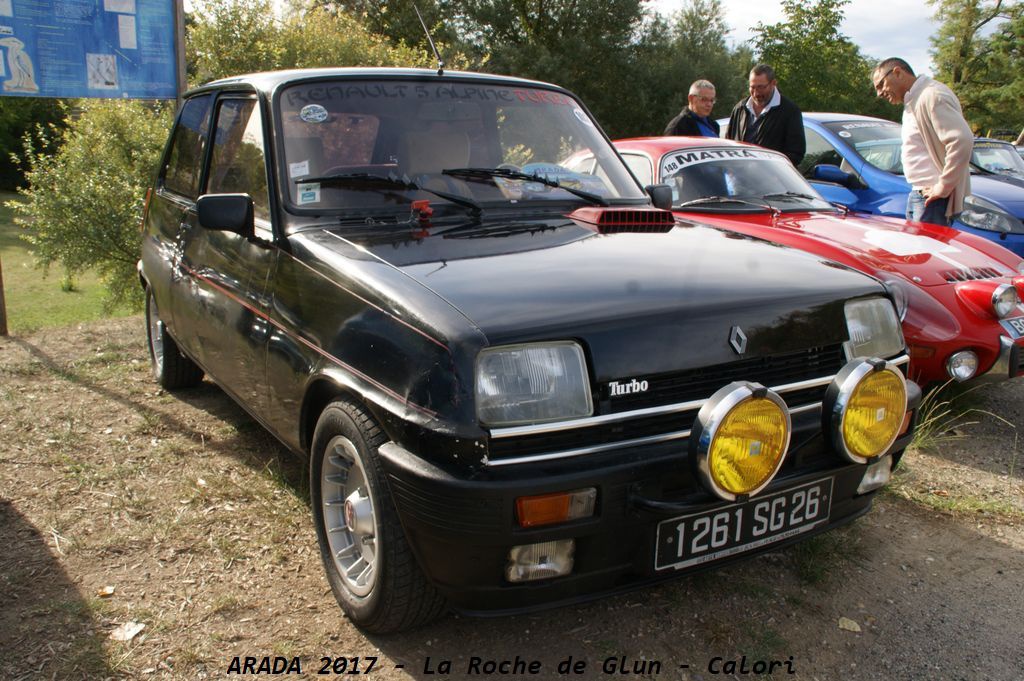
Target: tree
(18, 116)
(818, 67)
(699, 50)
(978, 51)
(588, 46)
(84, 202)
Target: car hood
(639, 303)
(929, 255)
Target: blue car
(855, 161)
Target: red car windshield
(736, 179)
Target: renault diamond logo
(738, 340)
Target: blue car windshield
(877, 142)
(998, 157)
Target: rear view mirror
(661, 195)
(227, 213)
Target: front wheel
(171, 368)
(369, 564)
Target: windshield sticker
(845, 133)
(313, 113)
(584, 118)
(325, 93)
(677, 160)
(308, 192)
(870, 124)
(989, 145)
(300, 169)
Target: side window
(237, 165)
(818, 151)
(184, 163)
(641, 167)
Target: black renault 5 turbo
(516, 385)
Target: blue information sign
(88, 48)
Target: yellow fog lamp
(865, 408)
(739, 439)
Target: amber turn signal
(560, 507)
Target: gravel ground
(123, 506)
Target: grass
(37, 299)
(943, 414)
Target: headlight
(536, 383)
(1005, 300)
(874, 328)
(989, 299)
(982, 214)
(739, 439)
(864, 408)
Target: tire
(171, 368)
(370, 567)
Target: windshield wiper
(509, 174)
(391, 180)
(790, 195)
(704, 200)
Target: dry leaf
(846, 624)
(127, 631)
(105, 592)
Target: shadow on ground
(47, 628)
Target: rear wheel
(369, 564)
(171, 368)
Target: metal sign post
(3, 306)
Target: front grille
(698, 384)
(688, 386)
(971, 274)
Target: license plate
(1015, 326)
(726, 531)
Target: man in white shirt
(937, 141)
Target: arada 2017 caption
(617, 665)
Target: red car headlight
(989, 298)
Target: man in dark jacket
(768, 119)
(695, 118)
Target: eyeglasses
(881, 81)
(707, 100)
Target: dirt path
(122, 504)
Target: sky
(881, 28)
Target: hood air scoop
(618, 220)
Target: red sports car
(958, 296)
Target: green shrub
(83, 204)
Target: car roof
(269, 81)
(665, 144)
(826, 117)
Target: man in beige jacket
(937, 141)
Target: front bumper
(461, 530)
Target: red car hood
(929, 255)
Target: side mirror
(227, 213)
(661, 195)
(827, 172)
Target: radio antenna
(440, 62)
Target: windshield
(997, 157)
(877, 142)
(366, 145)
(736, 180)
